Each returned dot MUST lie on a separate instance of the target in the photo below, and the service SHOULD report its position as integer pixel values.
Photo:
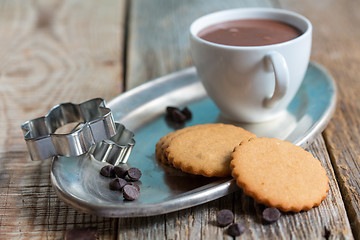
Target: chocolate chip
(107, 171)
(120, 171)
(117, 184)
(175, 115)
(187, 113)
(81, 234)
(224, 217)
(235, 230)
(178, 116)
(130, 192)
(170, 109)
(134, 174)
(135, 185)
(271, 214)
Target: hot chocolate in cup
(251, 61)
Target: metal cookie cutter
(116, 149)
(97, 132)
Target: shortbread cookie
(158, 147)
(206, 150)
(163, 143)
(279, 174)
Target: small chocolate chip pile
(123, 180)
(176, 115)
(225, 217)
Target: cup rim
(249, 10)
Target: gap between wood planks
(125, 42)
(355, 228)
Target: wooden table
(58, 51)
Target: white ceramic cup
(252, 83)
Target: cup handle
(281, 72)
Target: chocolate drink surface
(249, 32)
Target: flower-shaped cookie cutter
(96, 133)
(117, 149)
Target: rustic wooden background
(57, 51)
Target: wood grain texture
(158, 44)
(158, 41)
(335, 45)
(29, 207)
(50, 52)
(53, 52)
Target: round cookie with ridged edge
(279, 174)
(206, 150)
(159, 146)
(163, 143)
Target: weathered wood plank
(56, 52)
(335, 45)
(29, 207)
(158, 44)
(158, 41)
(50, 52)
